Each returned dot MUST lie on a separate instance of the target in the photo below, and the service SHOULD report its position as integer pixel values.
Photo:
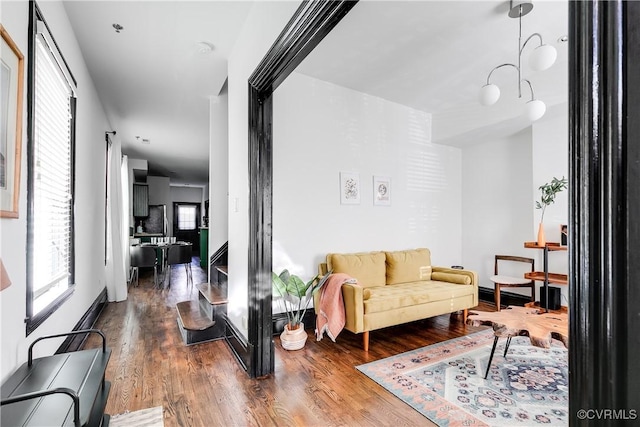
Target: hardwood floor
(203, 385)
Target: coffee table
(540, 327)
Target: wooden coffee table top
(514, 321)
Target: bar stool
(143, 256)
(180, 254)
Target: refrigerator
(156, 222)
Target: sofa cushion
(392, 297)
(408, 266)
(368, 268)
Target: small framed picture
(381, 191)
(349, 188)
(564, 234)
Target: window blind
(52, 180)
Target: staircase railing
(218, 259)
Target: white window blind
(52, 180)
(187, 217)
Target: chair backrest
(142, 256)
(179, 254)
(512, 258)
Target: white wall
(263, 24)
(219, 170)
(321, 129)
(501, 181)
(186, 194)
(551, 158)
(89, 213)
(497, 202)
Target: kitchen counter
(148, 235)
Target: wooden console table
(545, 276)
(541, 328)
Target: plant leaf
(295, 286)
(284, 276)
(322, 281)
(279, 288)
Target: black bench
(60, 390)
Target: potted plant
(294, 296)
(548, 196)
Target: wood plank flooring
(203, 385)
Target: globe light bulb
(489, 94)
(534, 109)
(542, 57)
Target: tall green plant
(549, 192)
(294, 295)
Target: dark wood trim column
(604, 112)
(310, 24)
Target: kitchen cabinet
(140, 200)
(204, 247)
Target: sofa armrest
(353, 297)
(466, 273)
(352, 294)
(323, 269)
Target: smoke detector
(204, 48)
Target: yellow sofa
(399, 287)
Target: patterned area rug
(151, 417)
(444, 382)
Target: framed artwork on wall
(349, 188)
(381, 190)
(11, 81)
(5, 281)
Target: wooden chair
(502, 281)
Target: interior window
(187, 215)
(50, 254)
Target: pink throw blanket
(331, 315)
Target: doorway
(186, 223)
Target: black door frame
(604, 174)
(195, 233)
(309, 25)
(604, 211)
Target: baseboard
(75, 342)
(506, 298)
(239, 346)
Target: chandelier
(540, 59)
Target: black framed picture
(564, 233)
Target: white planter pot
(293, 340)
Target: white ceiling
(430, 55)
(151, 78)
(435, 56)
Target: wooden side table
(541, 328)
